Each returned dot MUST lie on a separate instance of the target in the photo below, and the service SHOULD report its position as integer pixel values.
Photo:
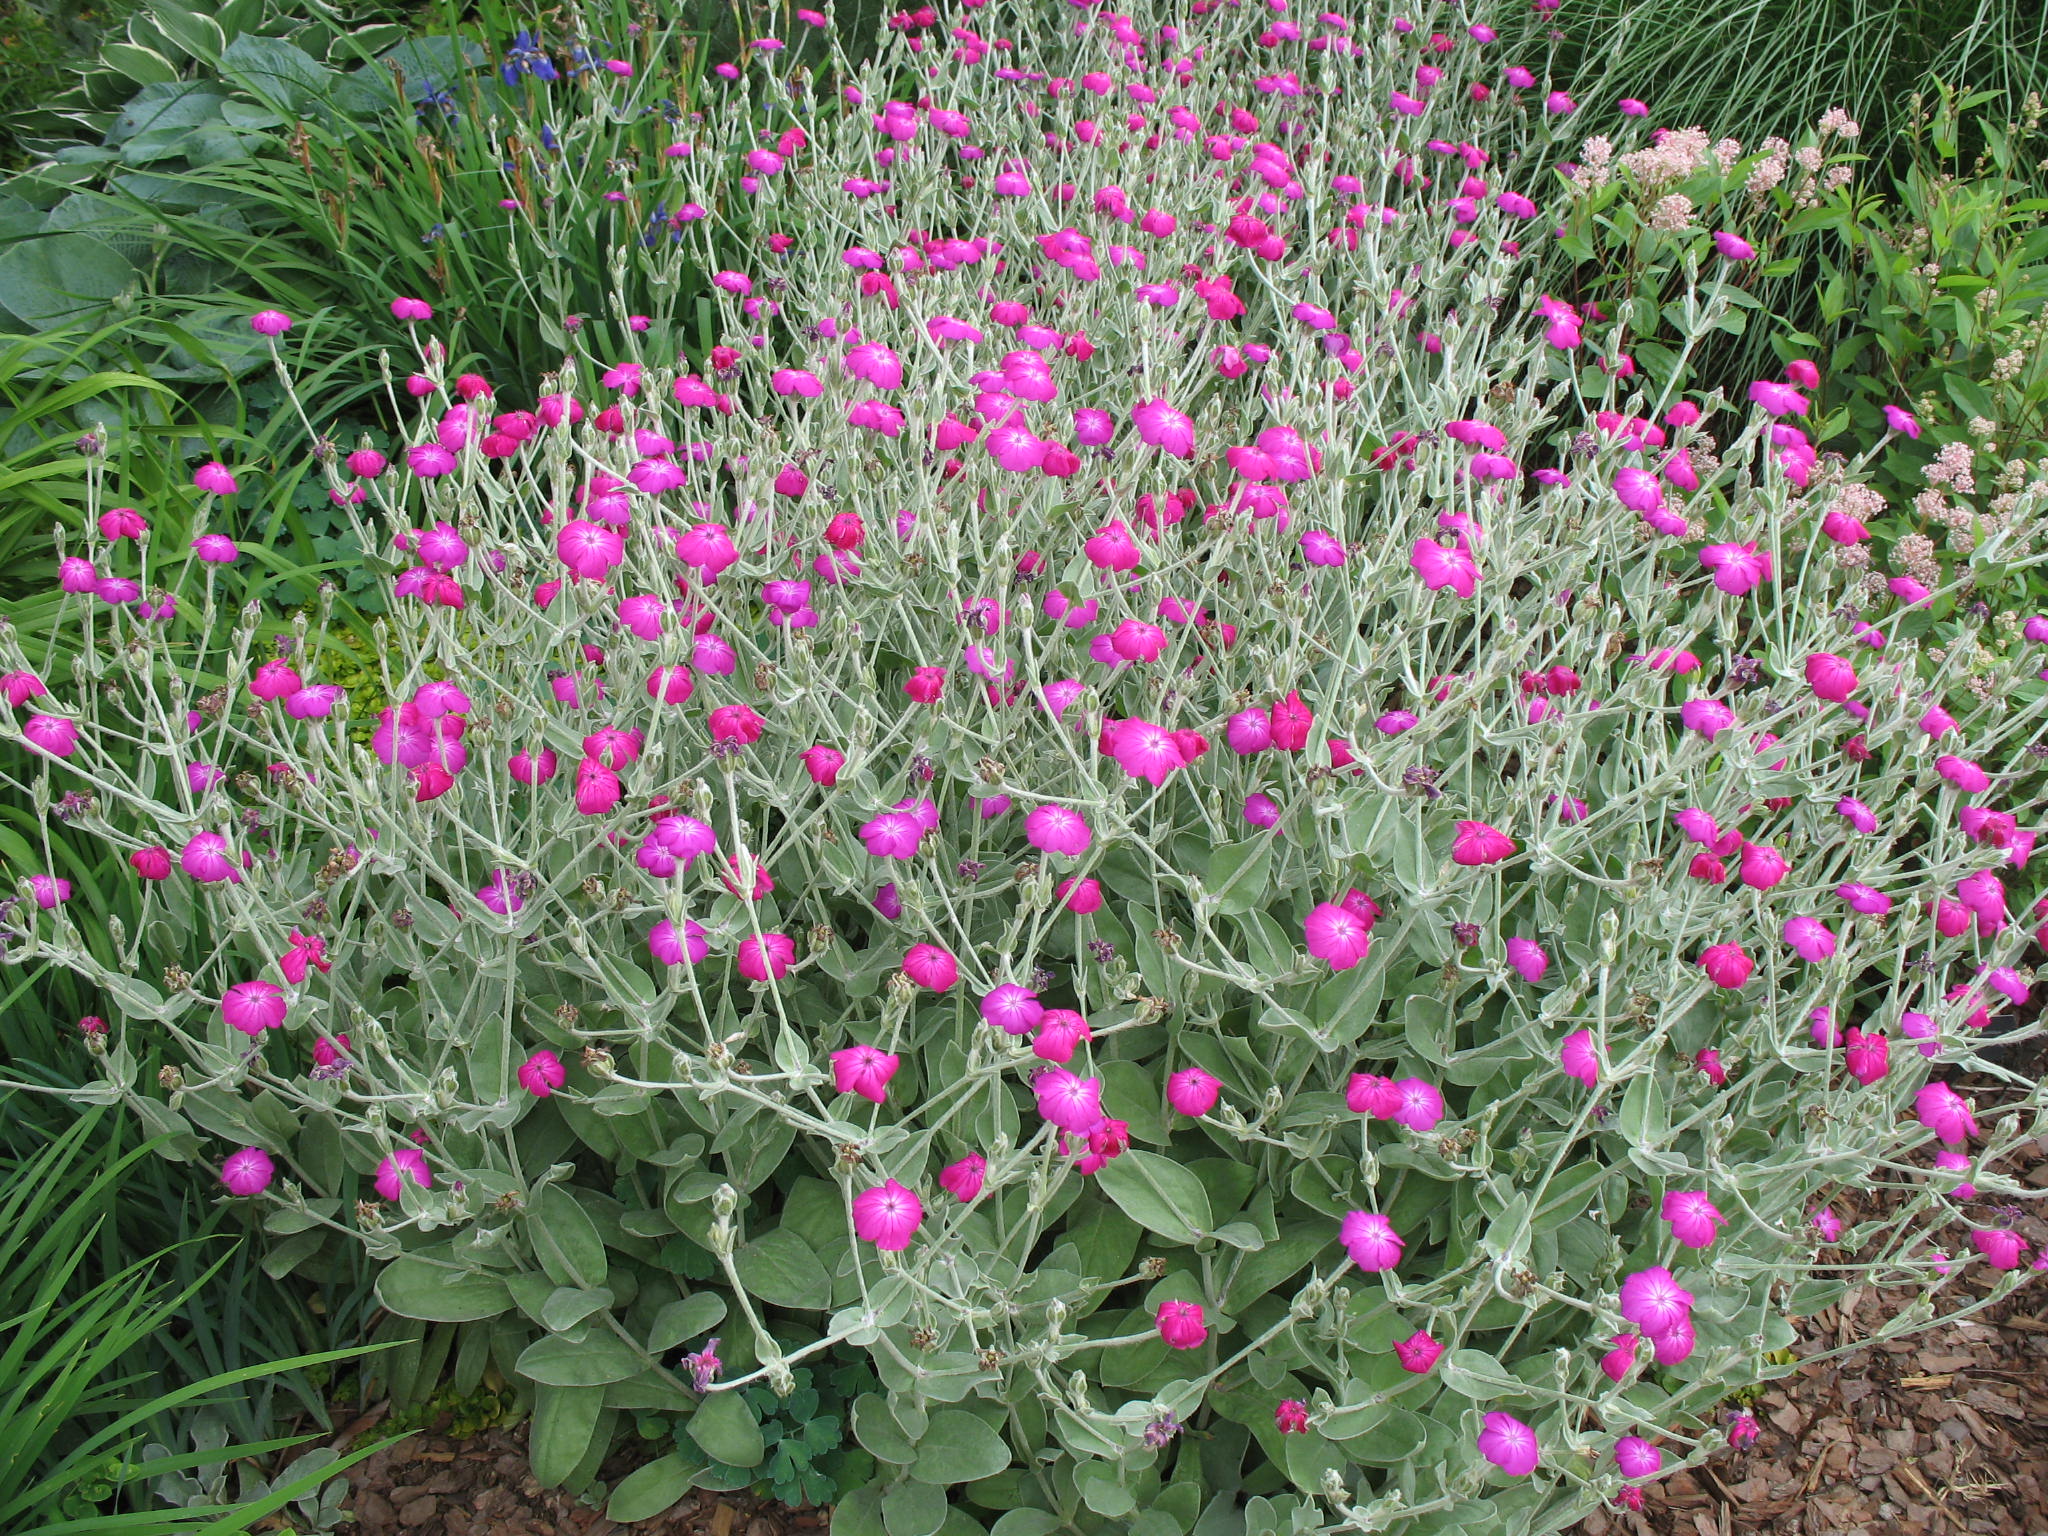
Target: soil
(430, 1485)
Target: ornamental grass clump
(1146, 795)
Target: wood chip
(1925, 1383)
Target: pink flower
(1654, 1301)
(865, 1070)
(1478, 843)
(887, 1216)
(1192, 1092)
(771, 953)
(1621, 1359)
(823, 763)
(1578, 1058)
(1371, 1241)
(1810, 938)
(1290, 1416)
(1528, 959)
(1868, 1055)
(408, 1165)
(963, 1180)
(1830, 677)
(1418, 1353)
(1738, 568)
(205, 858)
(1636, 1457)
(1013, 1009)
(736, 723)
(1056, 829)
(665, 946)
(1897, 419)
(1964, 774)
(1337, 935)
(1181, 1325)
(1069, 1101)
(1726, 965)
(1509, 1444)
(1440, 567)
(253, 1006)
(1420, 1104)
(247, 1172)
(2001, 1249)
(1693, 1217)
(1166, 429)
(1733, 247)
(542, 1073)
(1945, 1112)
(1145, 751)
(931, 967)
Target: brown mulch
(430, 1485)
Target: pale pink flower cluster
(1676, 154)
(1954, 466)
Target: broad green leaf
(564, 1425)
(680, 1321)
(725, 1429)
(958, 1448)
(1158, 1194)
(435, 1293)
(782, 1269)
(1239, 873)
(591, 1361)
(565, 1239)
(652, 1490)
(913, 1509)
(878, 1432)
(568, 1306)
(1475, 1374)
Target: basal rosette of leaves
(1151, 806)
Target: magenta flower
(1654, 1301)
(1337, 935)
(1528, 959)
(1071, 1102)
(1579, 1059)
(1868, 1055)
(253, 1006)
(690, 948)
(887, 1216)
(2001, 1249)
(1830, 677)
(1509, 1444)
(963, 1180)
(1616, 1364)
(247, 1172)
(931, 967)
(1371, 1241)
(1478, 843)
(1694, 1220)
(1726, 965)
(1946, 1113)
(1810, 938)
(865, 1070)
(408, 1165)
(1165, 428)
(1418, 1353)
(771, 954)
(542, 1073)
(1636, 1457)
(1738, 568)
(1440, 567)
(1056, 829)
(52, 734)
(1419, 1104)
(1181, 1326)
(1192, 1092)
(1013, 1009)
(1897, 419)
(1290, 1416)
(1778, 399)
(1733, 247)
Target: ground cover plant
(1274, 868)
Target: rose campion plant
(804, 893)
